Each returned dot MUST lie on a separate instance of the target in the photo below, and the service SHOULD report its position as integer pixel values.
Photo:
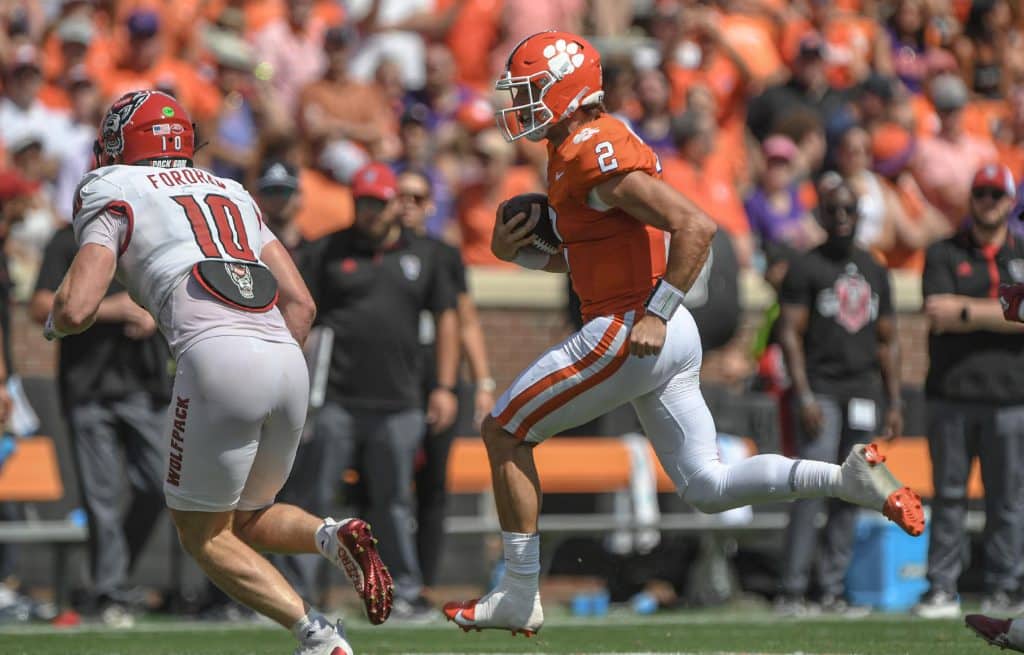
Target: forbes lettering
(177, 442)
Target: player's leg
(213, 442)
(570, 384)
(682, 431)
(313, 485)
(235, 567)
(284, 528)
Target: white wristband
(532, 258)
(665, 299)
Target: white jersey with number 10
(169, 220)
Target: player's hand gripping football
(509, 237)
(647, 336)
(1010, 297)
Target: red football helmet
(146, 126)
(549, 75)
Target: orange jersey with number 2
(614, 259)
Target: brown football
(545, 236)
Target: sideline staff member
(975, 392)
(370, 283)
(114, 388)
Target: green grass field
(620, 632)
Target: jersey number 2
(231, 236)
(606, 156)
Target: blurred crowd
(745, 101)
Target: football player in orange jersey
(633, 247)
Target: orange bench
(32, 475)
(909, 460)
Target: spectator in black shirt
(370, 283)
(414, 192)
(838, 337)
(114, 385)
(808, 88)
(975, 393)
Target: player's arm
(651, 201)
(294, 300)
(77, 299)
(116, 308)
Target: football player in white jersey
(192, 249)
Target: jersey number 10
(231, 241)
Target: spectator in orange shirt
(718, 66)
(707, 179)
(338, 107)
(497, 178)
(145, 64)
(752, 36)
(326, 204)
(75, 36)
(854, 43)
(474, 33)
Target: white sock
(323, 536)
(522, 553)
(812, 477)
(313, 627)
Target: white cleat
(868, 482)
(334, 645)
(511, 606)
